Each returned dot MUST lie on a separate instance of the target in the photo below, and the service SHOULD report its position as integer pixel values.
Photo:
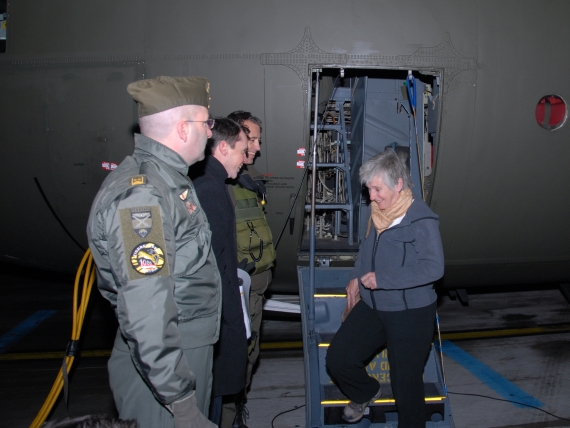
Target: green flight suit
(151, 243)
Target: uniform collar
(146, 145)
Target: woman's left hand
(369, 281)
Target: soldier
(151, 242)
(255, 243)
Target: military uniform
(255, 243)
(151, 243)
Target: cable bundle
(72, 348)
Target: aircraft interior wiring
(367, 111)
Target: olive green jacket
(151, 243)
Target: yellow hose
(78, 317)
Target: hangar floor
(502, 346)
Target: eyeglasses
(209, 122)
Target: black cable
(292, 207)
(510, 401)
(282, 413)
(455, 393)
(55, 214)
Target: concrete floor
(537, 365)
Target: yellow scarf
(384, 218)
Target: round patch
(147, 258)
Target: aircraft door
(358, 113)
(382, 117)
(368, 111)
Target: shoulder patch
(142, 221)
(143, 239)
(137, 180)
(147, 258)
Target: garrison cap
(165, 92)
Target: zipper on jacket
(404, 297)
(374, 268)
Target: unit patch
(142, 237)
(147, 258)
(142, 221)
(184, 195)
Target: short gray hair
(389, 166)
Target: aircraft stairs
(324, 401)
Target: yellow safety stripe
(381, 401)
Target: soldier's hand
(187, 415)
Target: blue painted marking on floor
(502, 386)
(23, 328)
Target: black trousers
(408, 336)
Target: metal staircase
(321, 311)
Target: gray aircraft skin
(499, 183)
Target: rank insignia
(138, 180)
(147, 258)
(184, 195)
(142, 221)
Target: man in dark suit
(228, 147)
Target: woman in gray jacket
(391, 298)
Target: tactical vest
(254, 239)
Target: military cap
(165, 92)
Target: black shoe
(242, 414)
